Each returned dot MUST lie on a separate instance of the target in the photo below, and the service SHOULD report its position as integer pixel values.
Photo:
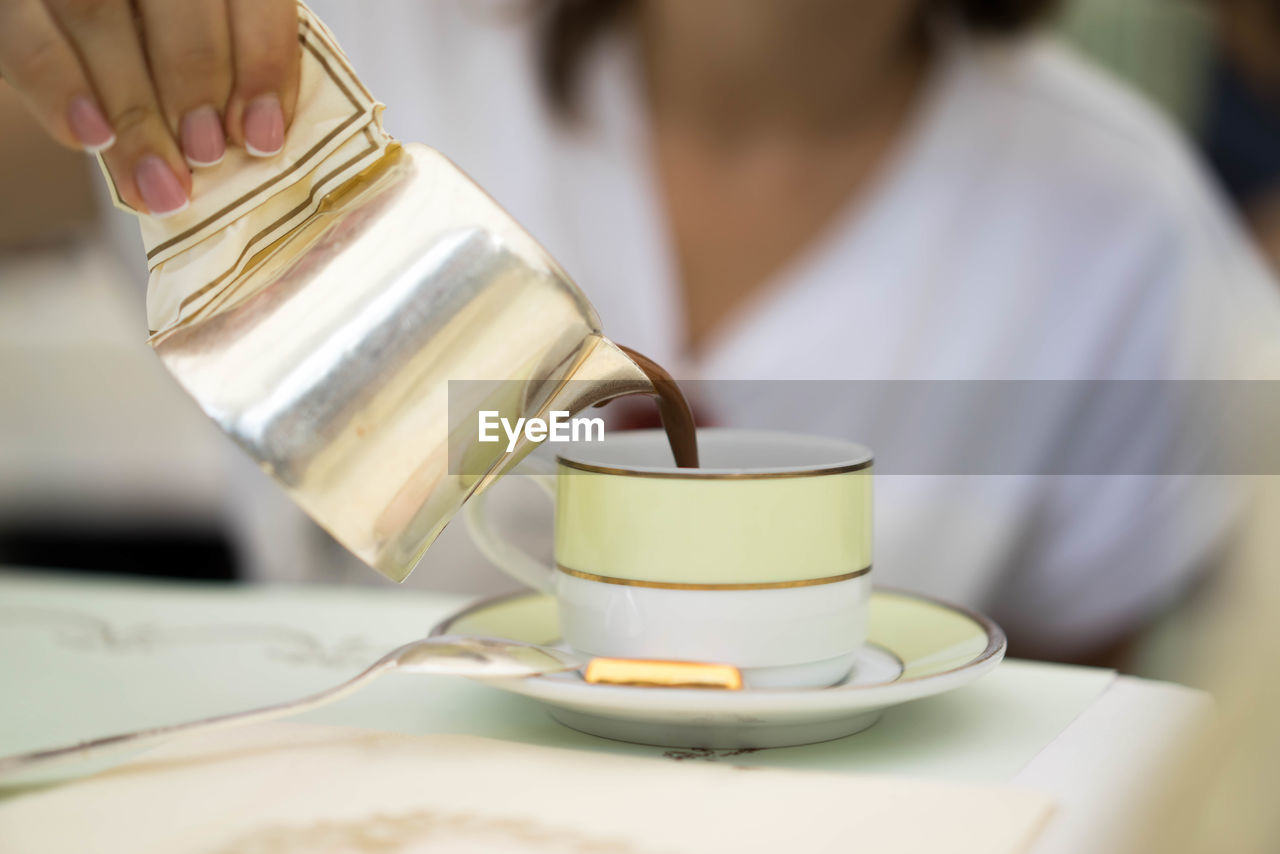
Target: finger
(41, 65)
(149, 171)
(264, 38)
(189, 47)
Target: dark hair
(570, 26)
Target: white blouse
(1037, 223)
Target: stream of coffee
(673, 408)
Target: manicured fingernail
(263, 126)
(203, 142)
(89, 125)
(159, 186)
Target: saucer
(916, 647)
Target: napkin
(286, 788)
(244, 204)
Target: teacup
(761, 558)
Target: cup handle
(503, 553)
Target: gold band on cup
(672, 585)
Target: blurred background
(106, 466)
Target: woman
(780, 190)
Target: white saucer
(917, 647)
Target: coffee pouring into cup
(317, 306)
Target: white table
(83, 657)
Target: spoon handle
(17, 763)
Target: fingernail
(263, 126)
(159, 187)
(89, 125)
(203, 142)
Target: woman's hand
(155, 85)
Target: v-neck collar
(614, 104)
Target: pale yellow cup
(761, 558)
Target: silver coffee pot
(332, 363)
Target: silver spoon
(452, 655)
